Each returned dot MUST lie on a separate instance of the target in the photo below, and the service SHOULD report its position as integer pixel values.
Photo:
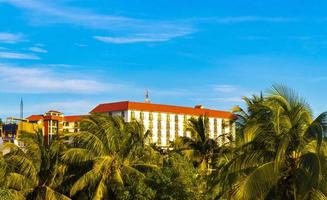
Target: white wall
(146, 123)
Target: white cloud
(38, 50)
(80, 45)
(227, 99)
(244, 19)
(138, 38)
(18, 56)
(10, 37)
(225, 88)
(38, 80)
(59, 65)
(45, 12)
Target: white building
(166, 122)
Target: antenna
(147, 99)
(21, 108)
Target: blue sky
(71, 55)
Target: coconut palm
(111, 147)
(7, 192)
(34, 170)
(198, 148)
(282, 155)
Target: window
(110, 113)
(215, 129)
(168, 118)
(176, 126)
(223, 134)
(150, 121)
(141, 115)
(167, 129)
(122, 113)
(132, 115)
(184, 125)
(230, 130)
(54, 123)
(159, 129)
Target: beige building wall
(176, 125)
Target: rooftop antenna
(21, 108)
(147, 99)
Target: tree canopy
(279, 152)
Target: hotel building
(167, 122)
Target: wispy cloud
(80, 45)
(10, 37)
(138, 38)
(254, 37)
(225, 88)
(244, 19)
(52, 12)
(18, 56)
(59, 65)
(227, 99)
(38, 50)
(126, 29)
(38, 80)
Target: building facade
(54, 122)
(167, 122)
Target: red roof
(73, 118)
(34, 118)
(127, 105)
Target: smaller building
(9, 131)
(54, 122)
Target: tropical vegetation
(279, 152)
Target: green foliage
(280, 152)
(33, 170)
(176, 179)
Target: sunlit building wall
(167, 122)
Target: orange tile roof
(35, 118)
(127, 105)
(73, 118)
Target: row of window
(225, 124)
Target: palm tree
(282, 154)
(199, 148)
(112, 148)
(34, 170)
(5, 191)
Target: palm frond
(100, 191)
(89, 141)
(257, 184)
(317, 195)
(17, 181)
(77, 155)
(90, 178)
(53, 195)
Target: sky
(71, 55)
